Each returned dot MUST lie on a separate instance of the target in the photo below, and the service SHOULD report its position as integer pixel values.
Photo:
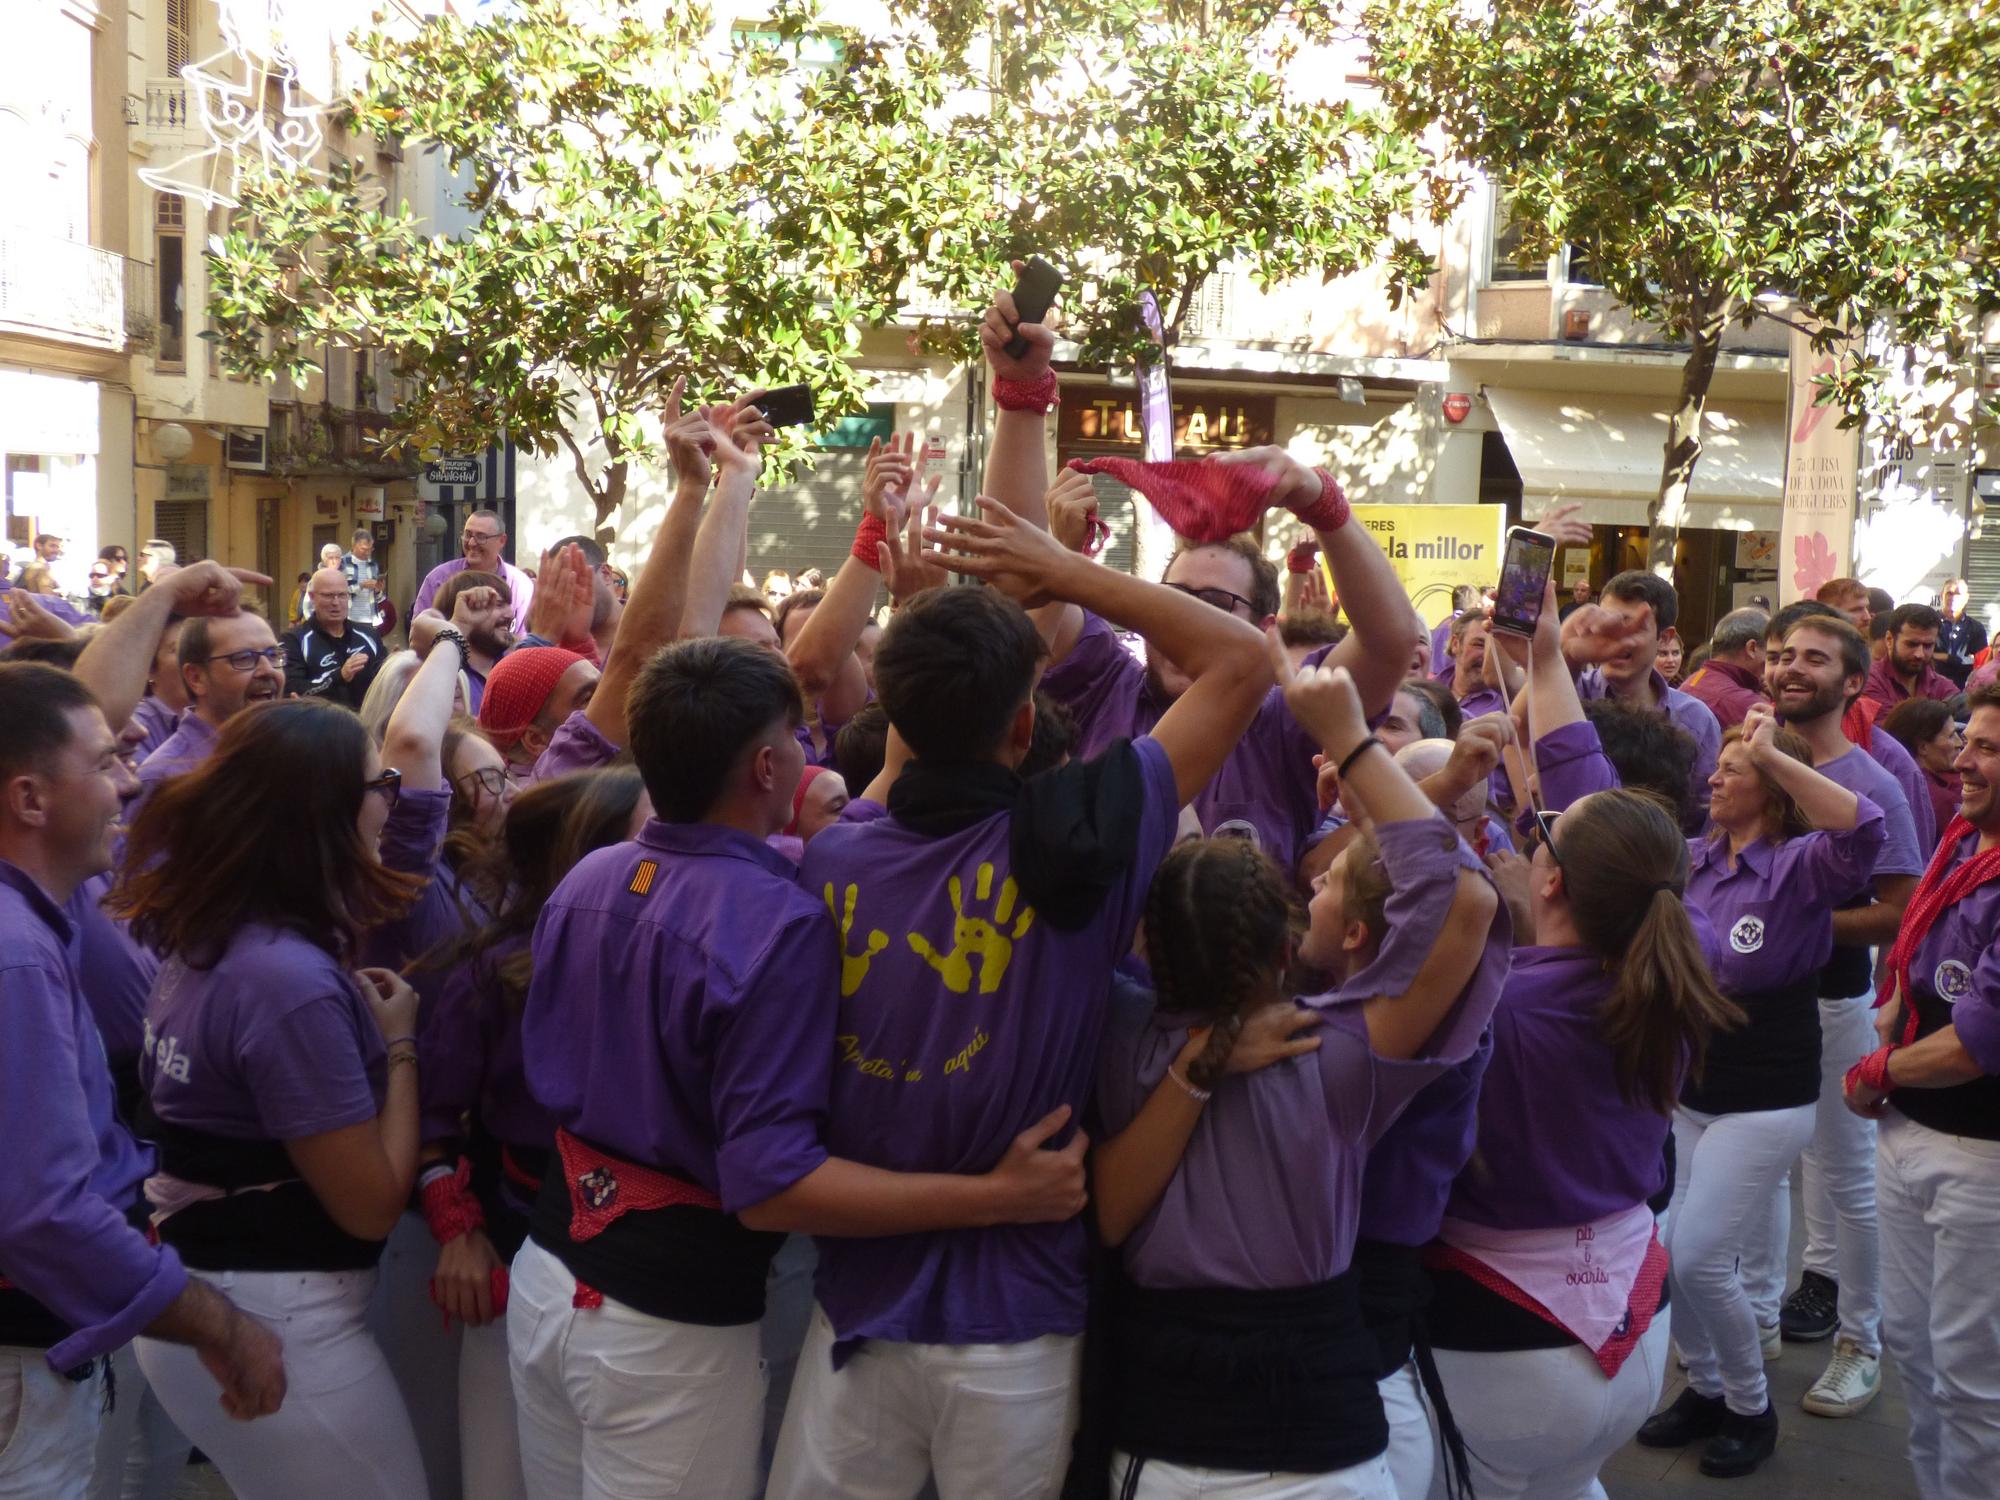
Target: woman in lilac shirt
(1236, 1200)
(1787, 845)
(281, 1086)
(486, 1141)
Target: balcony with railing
(62, 290)
(170, 112)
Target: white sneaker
(1849, 1384)
(1773, 1340)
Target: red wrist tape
(449, 1206)
(1330, 511)
(1301, 558)
(1873, 1071)
(873, 529)
(1043, 395)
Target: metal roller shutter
(185, 524)
(809, 524)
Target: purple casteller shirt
(1693, 715)
(72, 1172)
(1266, 791)
(1483, 699)
(963, 1019)
(191, 743)
(577, 745)
(1955, 981)
(1269, 1191)
(413, 844)
(520, 589)
(1775, 908)
(682, 1010)
(115, 971)
(1888, 752)
(274, 1043)
(1902, 852)
(160, 723)
(472, 1059)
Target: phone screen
(788, 406)
(1524, 578)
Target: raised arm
(116, 662)
(1826, 803)
(724, 531)
(1385, 631)
(1223, 654)
(413, 739)
(1399, 1025)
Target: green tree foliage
(1824, 161)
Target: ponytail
(1625, 866)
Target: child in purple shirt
(1241, 1241)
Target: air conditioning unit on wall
(247, 449)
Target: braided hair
(1220, 920)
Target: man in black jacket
(329, 656)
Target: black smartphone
(1524, 578)
(1034, 294)
(787, 406)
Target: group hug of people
(1082, 1037)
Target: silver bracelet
(1200, 1096)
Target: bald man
(330, 656)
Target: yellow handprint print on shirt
(853, 966)
(975, 936)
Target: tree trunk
(607, 495)
(1669, 509)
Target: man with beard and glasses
(1820, 670)
(488, 637)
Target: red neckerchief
(1941, 887)
(1858, 723)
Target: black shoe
(1812, 1312)
(1691, 1417)
(1741, 1445)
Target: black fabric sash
(1395, 1289)
(1254, 1381)
(1074, 829)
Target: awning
(1606, 451)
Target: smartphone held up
(1524, 578)
(1034, 294)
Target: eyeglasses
(1222, 599)
(1545, 831)
(389, 784)
(488, 779)
(246, 661)
(481, 536)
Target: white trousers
(1163, 1481)
(423, 1354)
(489, 1430)
(989, 1421)
(1726, 1169)
(1413, 1440)
(48, 1426)
(1838, 1186)
(343, 1432)
(1940, 1206)
(140, 1453)
(617, 1405)
(1539, 1423)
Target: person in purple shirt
(484, 539)
(678, 1030)
(1821, 667)
(978, 927)
(159, 711)
(1464, 596)
(78, 1278)
(1470, 682)
(486, 1142)
(1925, 728)
(1908, 669)
(1549, 1279)
(1787, 845)
(1238, 1242)
(1641, 604)
(1265, 790)
(1934, 1086)
(280, 1086)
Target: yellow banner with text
(1434, 548)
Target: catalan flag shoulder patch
(642, 878)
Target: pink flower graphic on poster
(1813, 563)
